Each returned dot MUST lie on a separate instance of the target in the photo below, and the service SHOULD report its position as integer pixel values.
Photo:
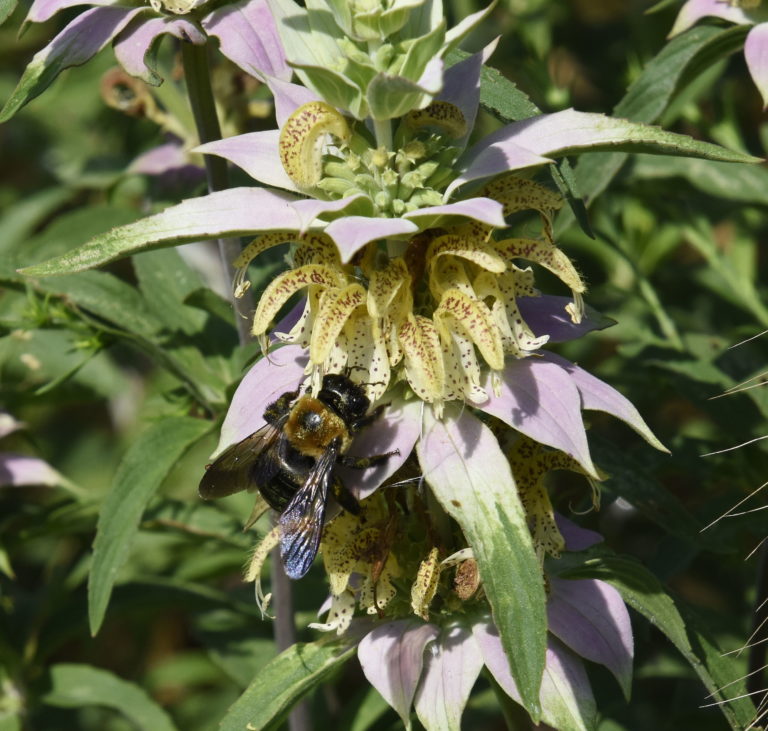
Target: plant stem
(197, 74)
(383, 131)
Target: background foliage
(93, 362)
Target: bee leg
(369, 419)
(280, 408)
(345, 498)
(363, 463)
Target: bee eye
(310, 420)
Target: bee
(291, 461)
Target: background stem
(197, 74)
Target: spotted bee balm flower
(414, 254)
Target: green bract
(374, 59)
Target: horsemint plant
(400, 241)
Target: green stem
(198, 77)
(383, 131)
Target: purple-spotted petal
(42, 10)
(289, 97)
(453, 663)
(756, 55)
(596, 395)
(353, 232)
(134, 47)
(591, 618)
(694, 10)
(546, 315)
(576, 538)
(18, 469)
(398, 428)
(256, 153)
(270, 378)
(540, 400)
(392, 658)
(248, 36)
(566, 696)
(485, 210)
(462, 87)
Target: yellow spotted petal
(546, 254)
(366, 354)
(425, 586)
(446, 273)
(375, 596)
(280, 290)
(316, 248)
(465, 247)
(385, 285)
(475, 318)
(423, 358)
(301, 332)
(260, 553)
(462, 369)
(516, 336)
(302, 139)
(521, 194)
(444, 116)
(250, 252)
(530, 463)
(340, 614)
(336, 306)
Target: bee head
(345, 397)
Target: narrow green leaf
(643, 592)
(282, 682)
(645, 101)
(165, 280)
(741, 183)
(106, 296)
(471, 478)
(141, 472)
(76, 686)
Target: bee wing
(231, 471)
(301, 523)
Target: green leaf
(500, 96)
(645, 101)
(6, 9)
(283, 681)
(642, 591)
(76, 686)
(106, 296)
(166, 280)
(471, 478)
(67, 231)
(741, 183)
(142, 470)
